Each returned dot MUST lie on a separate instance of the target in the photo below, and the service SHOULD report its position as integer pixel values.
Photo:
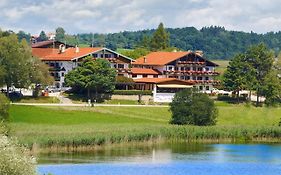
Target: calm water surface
(168, 159)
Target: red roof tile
(160, 58)
(68, 55)
(144, 71)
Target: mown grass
(72, 127)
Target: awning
(173, 86)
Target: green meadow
(73, 127)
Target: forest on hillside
(215, 42)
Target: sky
(109, 16)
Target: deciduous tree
(92, 76)
(193, 108)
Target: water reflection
(168, 159)
(154, 153)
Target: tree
(4, 108)
(135, 53)
(22, 35)
(261, 60)
(60, 34)
(17, 64)
(92, 76)
(271, 89)
(43, 36)
(193, 108)
(238, 75)
(160, 39)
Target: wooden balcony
(191, 62)
(190, 72)
(205, 82)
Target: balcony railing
(191, 72)
(191, 62)
(213, 82)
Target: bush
(14, 160)
(193, 108)
(4, 108)
(132, 92)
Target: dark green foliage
(216, 42)
(4, 108)
(132, 92)
(136, 53)
(193, 108)
(60, 34)
(92, 76)
(22, 35)
(160, 39)
(43, 36)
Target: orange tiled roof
(68, 55)
(144, 71)
(160, 58)
(42, 52)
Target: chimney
(76, 49)
(144, 59)
(199, 52)
(61, 48)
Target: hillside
(216, 42)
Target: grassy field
(74, 127)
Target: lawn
(50, 126)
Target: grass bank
(73, 127)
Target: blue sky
(107, 16)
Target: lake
(167, 159)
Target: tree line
(215, 41)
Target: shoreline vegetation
(67, 129)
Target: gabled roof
(49, 54)
(160, 58)
(42, 52)
(71, 54)
(164, 58)
(42, 44)
(144, 71)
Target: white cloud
(119, 15)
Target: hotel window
(200, 69)
(182, 68)
(200, 88)
(206, 78)
(62, 74)
(199, 78)
(155, 76)
(120, 66)
(107, 55)
(134, 76)
(95, 55)
(52, 64)
(144, 76)
(187, 77)
(170, 67)
(207, 69)
(194, 68)
(207, 88)
(188, 69)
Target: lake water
(168, 159)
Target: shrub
(14, 160)
(132, 92)
(194, 108)
(4, 108)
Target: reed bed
(75, 128)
